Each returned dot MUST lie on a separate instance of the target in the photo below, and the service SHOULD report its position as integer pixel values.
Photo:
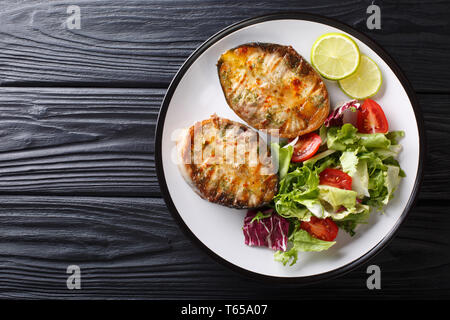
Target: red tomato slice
(371, 118)
(306, 147)
(323, 229)
(335, 178)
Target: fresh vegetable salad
(330, 182)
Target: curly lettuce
(370, 159)
(301, 240)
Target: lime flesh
(335, 56)
(365, 82)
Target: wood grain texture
(77, 173)
(66, 141)
(131, 248)
(78, 141)
(142, 43)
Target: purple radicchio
(336, 117)
(266, 228)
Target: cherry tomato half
(323, 229)
(335, 178)
(306, 147)
(371, 118)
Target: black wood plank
(437, 167)
(142, 43)
(78, 141)
(131, 248)
(61, 146)
(63, 141)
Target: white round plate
(195, 94)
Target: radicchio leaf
(266, 228)
(336, 117)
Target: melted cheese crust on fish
(221, 160)
(272, 87)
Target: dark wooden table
(78, 110)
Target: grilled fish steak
(272, 87)
(221, 160)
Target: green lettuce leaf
(342, 138)
(313, 160)
(360, 179)
(349, 161)
(301, 240)
(394, 136)
(392, 151)
(348, 213)
(334, 198)
(323, 134)
(326, 159)
(283, 156)
(374, 140)
(350, 222)
(391, 181)
(356, 167)
(297, 193)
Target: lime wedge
(335, 56)
(365, 82)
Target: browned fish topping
(227, 163)
(271, 86)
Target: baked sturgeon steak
(227, 163)
(271, 86)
